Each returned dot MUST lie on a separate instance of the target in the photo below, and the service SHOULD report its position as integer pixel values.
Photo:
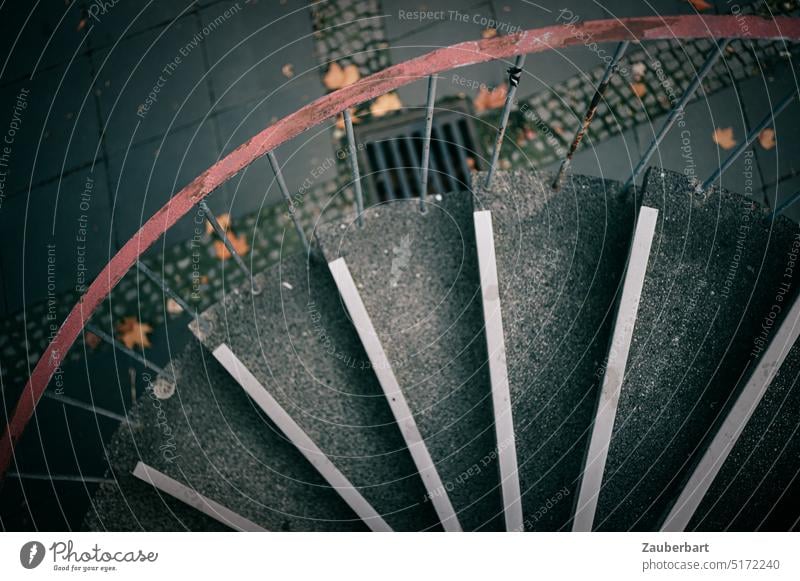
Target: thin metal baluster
(276, 169)
(76, 403)
(514, 74)
(60, 477)
(426, 144)
(160, 282)
(228, 244)
(768, 121)
(129, 352)
(590, 112)
(790, 201)
(677, 111)
(351, 140)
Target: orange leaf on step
(385, 104)
(486, 99)
(489, 33)
(239, 244)
(724, 138)
(767, 138)
(132, 333)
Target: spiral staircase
(283, 414)
(532, 353)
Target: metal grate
(392, 155)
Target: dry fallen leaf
(724, 138)
(132, 333)
(767, 138)
(385, 104)
(239, 244)
(700, 5)
(338, 77)
(471, 163)
(92, 340)
(486, 99)
(638, 70)
(288, 70)
(489, 32)
(340, 119)
(173, 308)
(639, 89)
(224, 221)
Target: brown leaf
(767, 138)
(340, 119)
(91, 340)
(486, 99)
(239, 244)
(639, 89)
(385, 104)
(724, 138)
(132, 333)
(224, 221)
(338, 77)
(288, 70)
(700, 5)
(489, 33)
(173, 308)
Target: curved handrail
(459, 55)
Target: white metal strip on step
(193, 498)
(300, 439)
(724, 440)
(394, 396)
(617, 361)
(498, 371)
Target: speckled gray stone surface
(758, 487)
(560, 258)
(418, 277)
(706, 293)
(295, 337)
(209, 437)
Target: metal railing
(516, 46)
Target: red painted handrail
(458, 55)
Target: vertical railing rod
(351, 141)
(60, 477)
(209, 215)
(768, 121)
(514, 74)
(276, 169)
(129, 352)
(677, 110)
(76, 403)
(590, 112)
(160, 282)
(426, 143)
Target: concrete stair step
(560, 258)
(296, 340)
(713, 271)
(757, 487)
(418, 279)
(209, 437)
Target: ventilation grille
(392, 155)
